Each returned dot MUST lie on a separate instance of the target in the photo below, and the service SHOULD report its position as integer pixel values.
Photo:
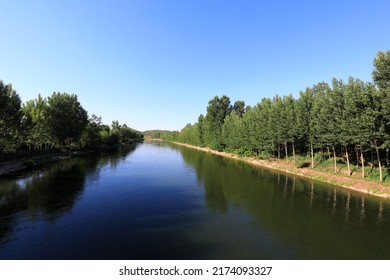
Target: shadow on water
(115, 219)
(314, 220)
(49, 192)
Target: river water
(162, 201)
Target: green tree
(364, 122)
(381, 72)
(190, 134)
(283, 123)
(129, 135)
(305, 120)
(217, 110)
(233, 136)
(115, 133)
(381, 77)
(200, 128)
(36, 126)
(379, 137)
(258, 122)
(239, 108)
(10, 119)
(104, 134)
(66, 118)
(323, 116)
(91, 137)
(291, 121)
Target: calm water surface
(162, 201)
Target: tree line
(343, 122)
(161, 134)
(56, 123)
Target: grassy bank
(353, 183)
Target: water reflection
(347, 207)
(380, 214)
(335, 224)
(362, 211)
(293, 189)
(51, 191)
(170, 202)
(311, 193)
(285, 187)
(334, 201)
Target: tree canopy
(345, 121)
(55, 123)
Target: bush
(264, 155)
(302, 162)
(319, 158)
(242, 152)
(229, 150)
(374, 174)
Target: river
(163, 201)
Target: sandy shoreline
(351, 183)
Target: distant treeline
(56, 123)
(161, 134)
(344, 121)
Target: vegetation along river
(161, 201)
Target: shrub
(264, 155)
(320, 157)
(242, 152)
(302, 162)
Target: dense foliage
(58, 122)
(344, 121)
(161, 134)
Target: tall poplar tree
(217, 110)
(381, 77)
(305, 120)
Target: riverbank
(29, 162)
(355, 184)
(26, 162)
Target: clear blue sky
(156, 64)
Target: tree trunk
(285, 149)
(362, 160)
(357, 156)
(379, 164)
(312, 155)
(293, 148)
(347, 156)
(328, 152)
(334, 158)
(278, 151)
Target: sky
(155, 64)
